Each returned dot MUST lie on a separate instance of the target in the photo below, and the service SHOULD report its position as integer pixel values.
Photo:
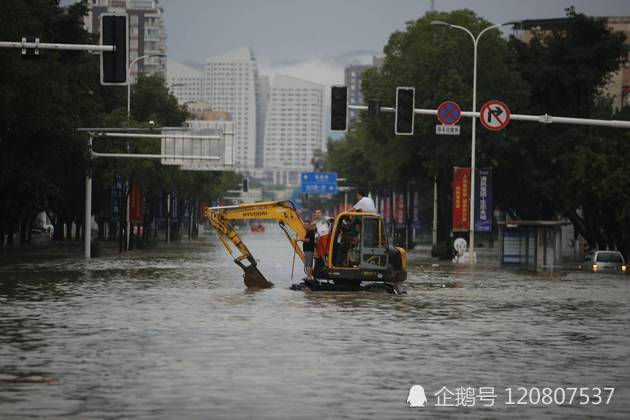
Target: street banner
(136, 205)
(387, 210)
(174, 210)
(186, 209)
(461, 199)
(202, 211)
(415, 213)
(483, 201)
(118, 190)
(161, 208)
(400, 209)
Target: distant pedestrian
(364, 203)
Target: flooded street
(172, 333)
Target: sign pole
(471, 252)
(87, 234)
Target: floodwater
(172, 333)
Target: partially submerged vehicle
(355, 251)
(604, 261)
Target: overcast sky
(315, 39)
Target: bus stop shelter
(531, 245)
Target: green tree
(151, 100)
(43, 159)
(42, 101)
(570, 170)
(438, 62)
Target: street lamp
(471, 252)
(131, 64)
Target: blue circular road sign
(449, 113)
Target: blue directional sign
(318, 183)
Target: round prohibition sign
(449, 113)
(494, 115)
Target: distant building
(294, 130)
(186, 83)
(208, 115)
(231, 85)
(262, 100)
(352, 78)
(147, 34)
(618, 88)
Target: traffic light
(339, 108)
(405, 104)
(114, 64)
(245, 185)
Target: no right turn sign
(494, 115)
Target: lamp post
(131, 64)
(471, 252)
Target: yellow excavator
(351, 250)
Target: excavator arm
(282, 211)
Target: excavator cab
(359, 251)
(373, 244)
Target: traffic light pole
(543, 119)
(87, 224)
(46, 46)
(117, 132)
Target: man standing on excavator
(365, 203)
(308, 247)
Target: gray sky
(314, 39)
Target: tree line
(43, 158)
(541, 172)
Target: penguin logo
(416, 397)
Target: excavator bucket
(254, 279)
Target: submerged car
(604, 261)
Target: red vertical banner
(386, 210)
(202, 212)
(461, 199)
(136, 205)
(400, 209)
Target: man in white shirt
(365, 203)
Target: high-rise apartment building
(352, 79)
(294, 130)
(186, 83)
(147, 34)
(231, 86)
(262, 100)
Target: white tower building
(231, 84)
(262, 100)
(294, 129)
(185, 83)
